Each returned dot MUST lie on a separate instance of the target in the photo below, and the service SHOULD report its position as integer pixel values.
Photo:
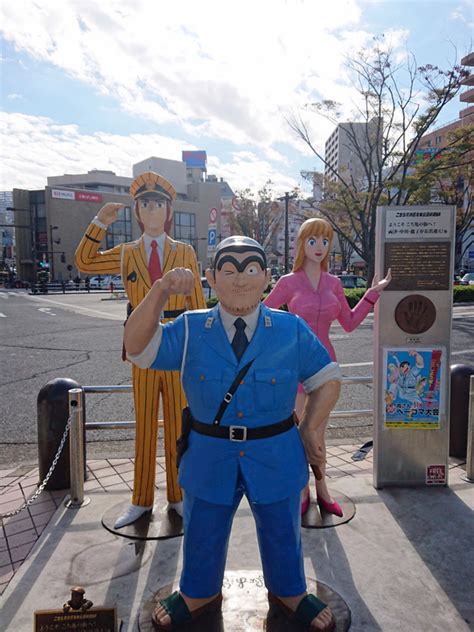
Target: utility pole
(51, 228)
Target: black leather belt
(242, 433)
(173, 313)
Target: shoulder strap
(230, 393)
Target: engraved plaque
(418, 265)
(94, 619)
(415, 314)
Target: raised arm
(88, 257)
(144, 321)
(352, 318)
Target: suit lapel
(170, 252)
(138, 256)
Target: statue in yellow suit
(140, 263)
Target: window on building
(438, 140)
(121, 230)
(185, 227)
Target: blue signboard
(211, 237)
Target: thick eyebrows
(240, 265)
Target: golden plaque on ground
(77, 614)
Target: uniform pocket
(271, 388)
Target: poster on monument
(413, 387)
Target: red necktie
(154, 266)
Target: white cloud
(14, 96)
(38, 148)
(225, 74)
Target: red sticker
(436, 474)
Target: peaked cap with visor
(149, 184)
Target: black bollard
(53, 413)
(459, 409)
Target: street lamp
(58, 241)
(32, 229)
(287, 197)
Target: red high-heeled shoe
(306, 501)
(332, 508)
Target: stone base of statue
(160, 524)
(245, 607)
(317, 518)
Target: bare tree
(398, 103)
(258, 216)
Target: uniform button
(241, 453)
(201, 377)
(241, 381)
(273, 380)
(240, 414)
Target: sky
(102, 85)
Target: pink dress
(319, 307)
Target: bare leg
(321, 485)
(299, 407)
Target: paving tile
(117, 462)
(127, 476)
(118, 487)
(4, 558)
(334, 450)
(6, 481)
(39, 508)
(19, 516)
(19, 539)
(124, 467)
(11, 505)
(3, 587)
(9, 496)
(91, 485)
(19, 553)
(18, 526)
(6, 573)
(42, 519)
(97, 465)
(107, 481)
(105, 471)
(3, 544)
(336, 461)
(6, 472)
(41, 528)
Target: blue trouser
(206, 538)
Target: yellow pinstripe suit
(130, 260)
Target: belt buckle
(234, 429)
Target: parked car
(207, 289)
(351, 281)
(100, 282)
(468, 279)
(117, 281)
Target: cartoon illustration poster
(413, 387)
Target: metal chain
(31, 500)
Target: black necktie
(240, 341)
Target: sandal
(308, 608)
(179, 612)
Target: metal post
(76, 449)
(287, 235)
(470, 436)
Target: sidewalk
(404, 563)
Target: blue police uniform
(216, 472)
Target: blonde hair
(314, 227)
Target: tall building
(7, 231)
(58, 215)
(350, 148)
(439, 138)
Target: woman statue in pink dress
(318, 297)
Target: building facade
(438, 139)
(54, 219)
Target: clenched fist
(177, 281)
(108, 214)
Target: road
(80, 337)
